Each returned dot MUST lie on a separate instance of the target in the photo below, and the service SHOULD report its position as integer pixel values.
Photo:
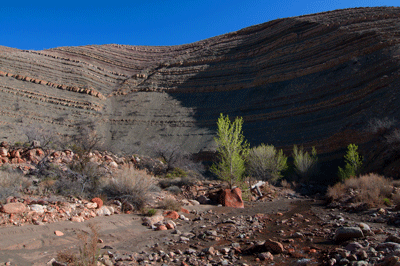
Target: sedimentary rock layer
(313, 80)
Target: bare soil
(124, 234)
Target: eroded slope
(313, 80)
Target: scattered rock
(91, 205)
(37, 208)
(266, 256)
(104, 211)
(149, 221)
(347, 233)
(77, 219)
(58, 233)
(274, 246)
(12, 208)
(171, 214)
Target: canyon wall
(312, 80)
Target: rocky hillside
(312, 80)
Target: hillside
(312, 80)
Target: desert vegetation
(371, 190)
(232, 150)
(266, 163)
(84, 170)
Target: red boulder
(232, 198)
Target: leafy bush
(353, 163)
(151, 212)
(370, 189)
(130, 185)
(305, 164)
(176, 172)
(266, 163)
(232, 149)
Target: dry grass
(130, 185)
(396, 198)
(170, 204)
(12, 183)
(89, 251)
(370, 189)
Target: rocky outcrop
(311, 80)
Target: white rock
(37, 208)
(91, 205)
(194, 202)
(104, 211)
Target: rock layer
(312, 80)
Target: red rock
(98, 201)
(11, 208)
(161, 228)
(184, 210)
(77, 219)
(232, 198)
(15, 154)
(58, 233)
(171, 214)
(39, 152)
(274, 246)
(170, 226)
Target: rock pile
(38, 211)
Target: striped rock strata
(312, 80)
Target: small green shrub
(305, 164)
(18, 144)
(266, 163)
(353, 163)
(151, 212)
(387, 202)
(176, 172)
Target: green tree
(353, 163)
(232, 150)
(266, 163)
(305, 164)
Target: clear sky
(35, 25)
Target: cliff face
(312, 80)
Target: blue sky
(36, 25)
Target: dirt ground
(125, 234)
